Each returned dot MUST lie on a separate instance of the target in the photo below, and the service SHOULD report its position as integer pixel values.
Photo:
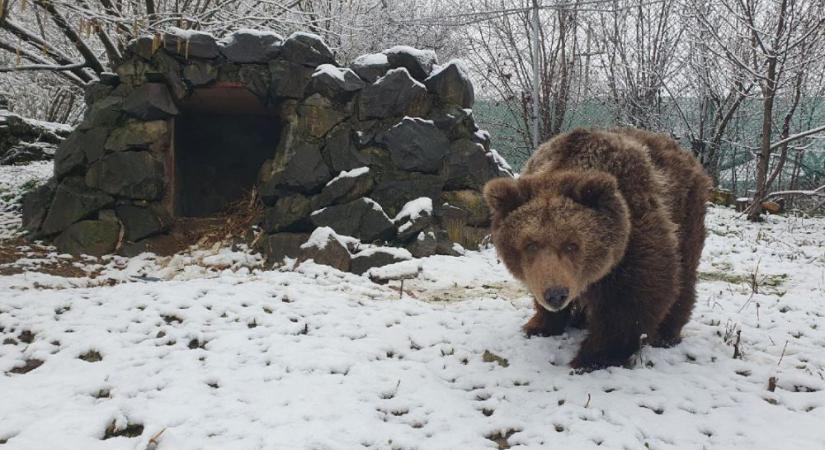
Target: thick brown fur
(615, 220)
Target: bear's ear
(593, 189)
(503, 196)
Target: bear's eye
(531, 247)
(571, 248)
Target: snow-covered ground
(207, 351)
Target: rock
(452, 85)
(72, 202)
(153, 135)
(418, 62)
(395, 94)
(325, 247)
(251, 46)
(284, 245)
(445, 245)
(345, 187)
(167, 70)
(104, 112)
(150, 101)
(109, 78)
(135, 175)
(416, 145)
(288, 79)
(298, 167)
(334, 82)
(94, 91)
(307, 49)
(415, 216)
(425, 244)
(200, 73)
(80, 147)
(190, 44)
(141, 221)
(89, 237)
(317, 115)
(482, 137)
(35, 206)
(470, 201)
(132, 249)
(403, 270)
(456, 123)
(287, 213)
(397, 188)
(143, 46)
(371, 67)
(256, 78)
(377, 257)
(339, 151)
(469, 166)
(362, 218)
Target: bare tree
(639, 54)
(785, 37)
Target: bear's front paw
(533, 328)
(588, 361)
(545, 323)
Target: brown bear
(605, 228)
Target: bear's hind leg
(692, 240)
(547, 323)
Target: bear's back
(620, 154)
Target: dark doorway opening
(217, 158)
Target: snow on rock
(321, 235)
(371, 59)
(339, 73)
(357, 172)
(501, 162)
(403, 270)
(413, 209)
(311, 357)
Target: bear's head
(559, 232)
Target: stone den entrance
(222, 137)
(385, 151)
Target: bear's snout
(556, 297)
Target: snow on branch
(798, 136)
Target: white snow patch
(357, 172)
(399, 69)
(413, 209)
(339, 73)
(403, 270)
(371, 59)
(321, 236)
(315, 358)
(457, 63)
(376, 206)
(424, 56)
(398, 252)
(14, 182)
(187, 34)
(500, 161)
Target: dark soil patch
(26, 336)
(30, 365)
(91, 356)
(131, 430)
(10, 253)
